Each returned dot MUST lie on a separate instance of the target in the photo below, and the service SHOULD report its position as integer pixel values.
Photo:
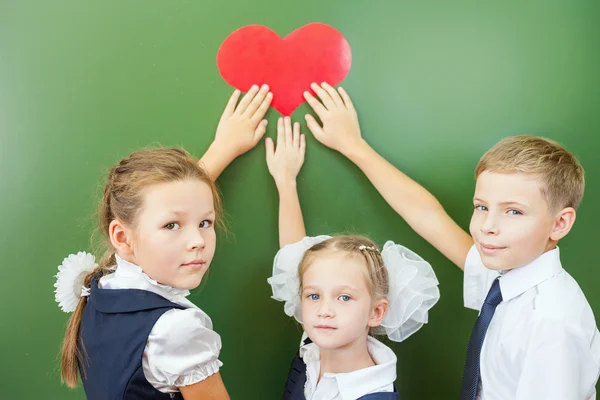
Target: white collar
(519, 280)
(130, 276)
(355, 384)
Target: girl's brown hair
(122, 199)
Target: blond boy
(536, 336)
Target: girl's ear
(120, 237)
(380, 308)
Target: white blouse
(349, 385)
(182, 348)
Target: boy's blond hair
(560, 174)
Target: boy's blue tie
(470, 381)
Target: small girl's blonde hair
(361, 247)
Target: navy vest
(294, 387)
(113, 334)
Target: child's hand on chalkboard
(285, 161)
(241, 127)
(340, 130)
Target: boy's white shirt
(542, 342)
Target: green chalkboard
(436, 83)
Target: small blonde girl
(342, 289)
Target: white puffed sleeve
(182, 349)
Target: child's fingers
(296, 136)
(246, 100)
(270, 147)
(260, 130)
(288, 132)
(231, 103)
(264, 106)
(303, 144)
(257, 101)
(316, 105)
(280, 132)
(346, 98)
(323, 95)
(314, 126)
(333, 94)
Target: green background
(436, 83)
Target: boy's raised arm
(419, 208)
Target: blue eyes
(344, 297)
(511, 211)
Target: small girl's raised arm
(284, 163)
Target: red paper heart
(255, 54)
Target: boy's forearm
(419, 208)
(291, 222)
(407, 197)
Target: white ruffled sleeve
(477, 281)
(182, 349)
(285, 282)
(413, 292)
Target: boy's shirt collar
(519, 280)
